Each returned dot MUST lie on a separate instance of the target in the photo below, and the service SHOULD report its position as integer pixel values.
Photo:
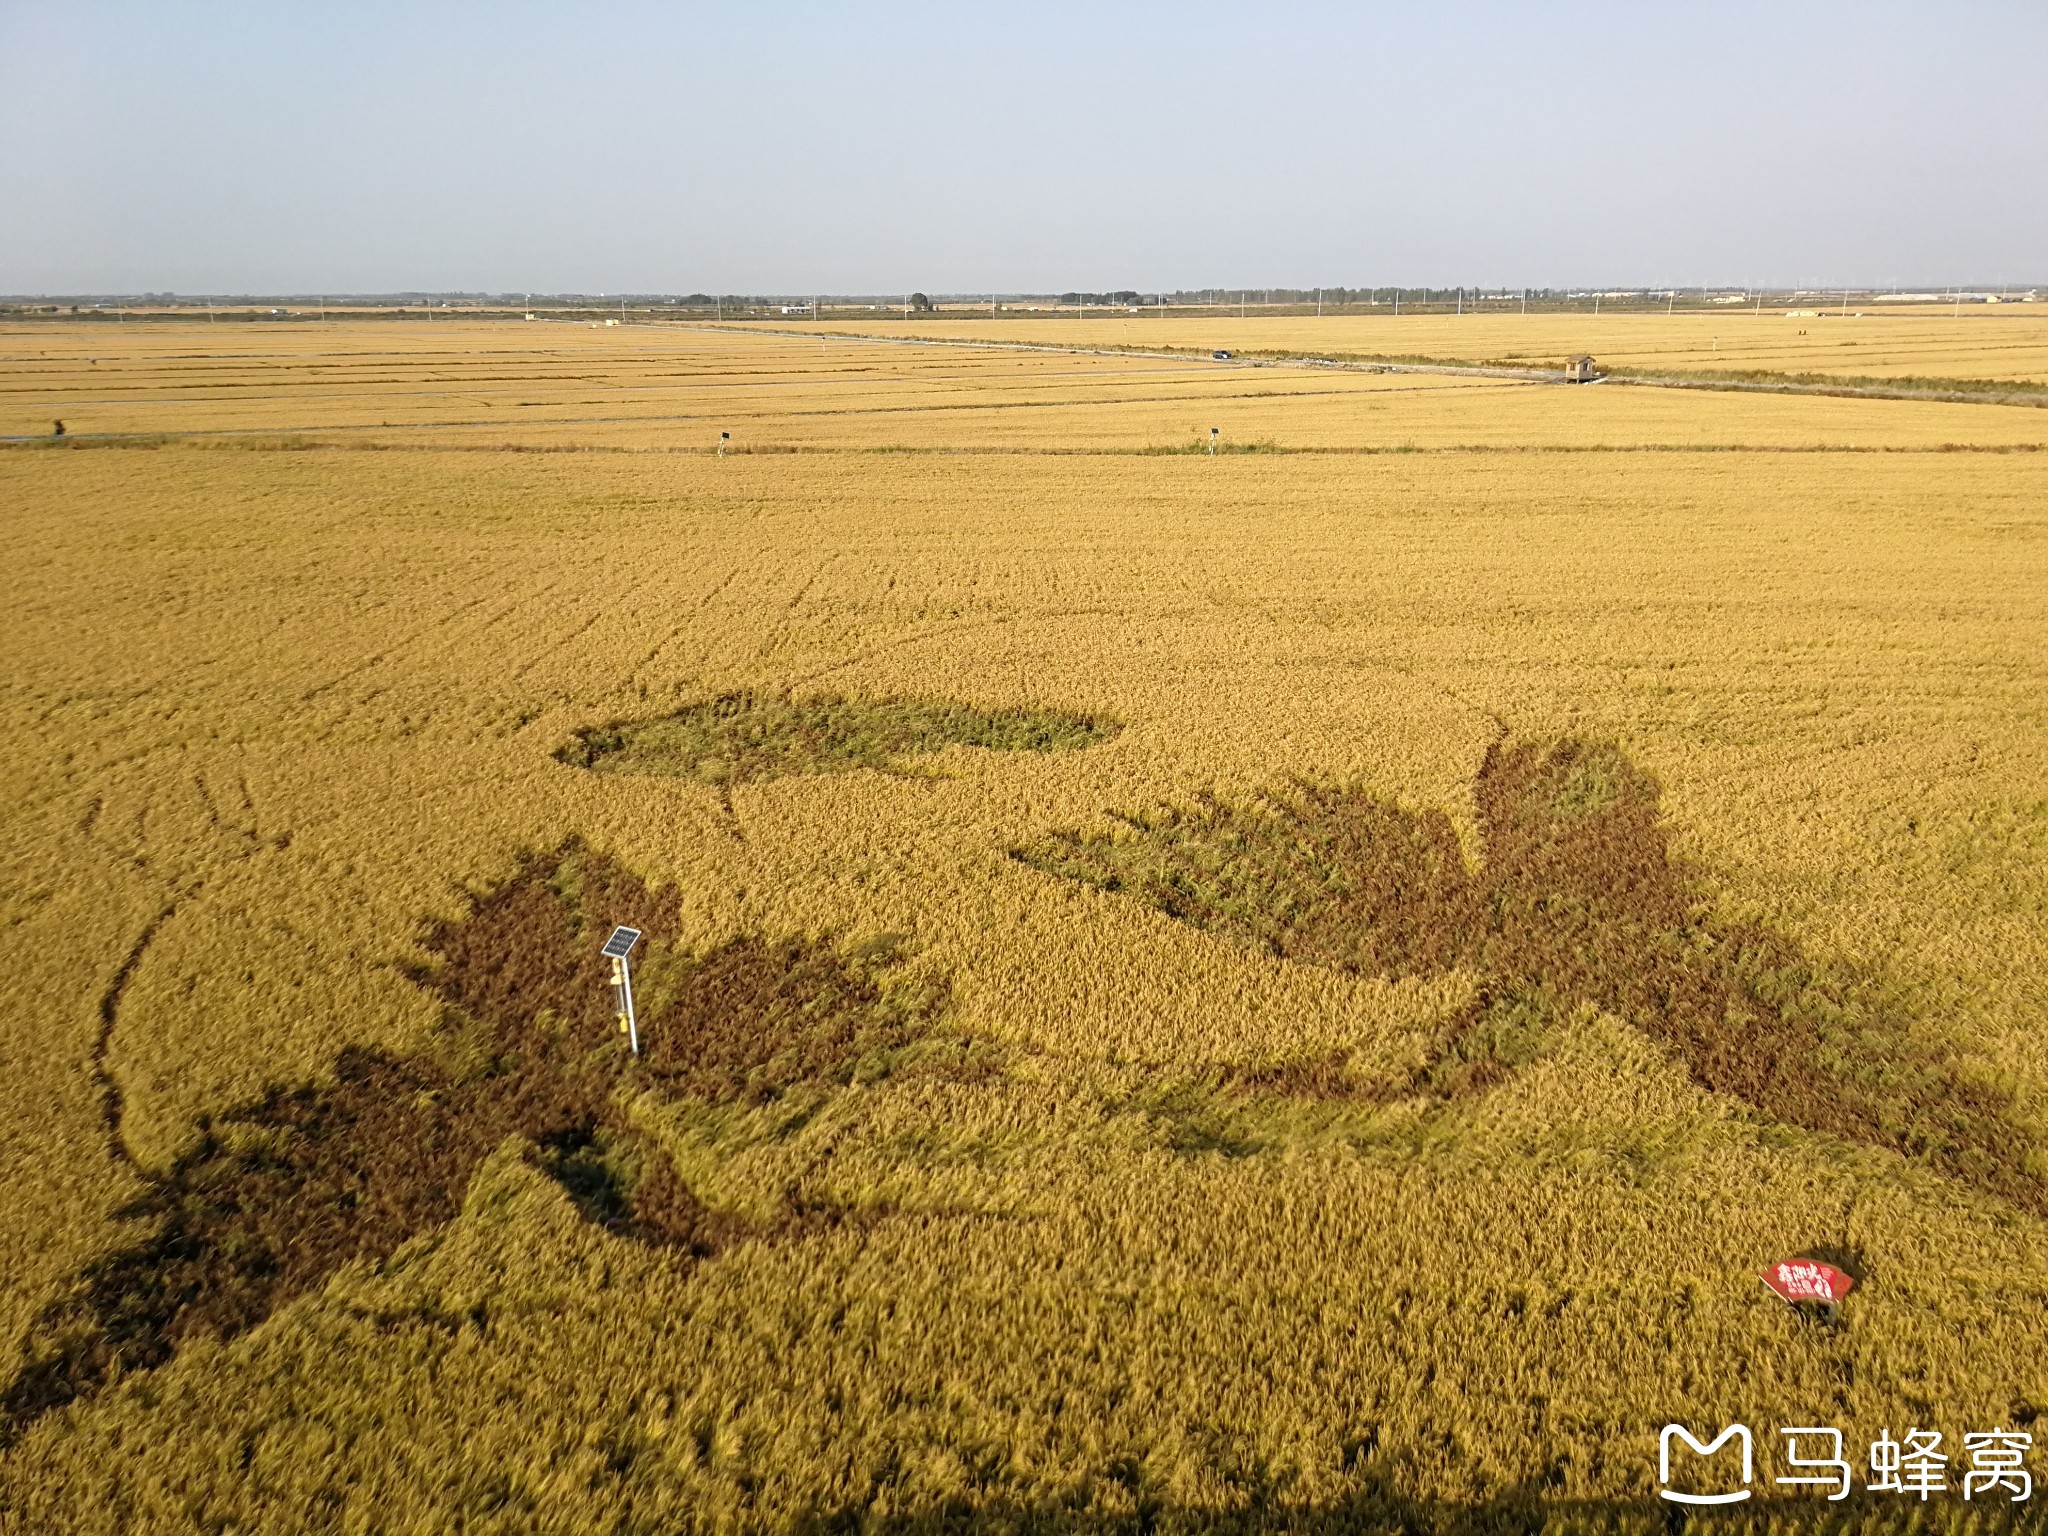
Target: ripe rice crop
(675, 388)
(1479, 906)
(1800, 338)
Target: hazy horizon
(1441, 293)
(234, 149)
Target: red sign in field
(1808, 1280)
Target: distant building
(1580, 370)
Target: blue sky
(295, 147)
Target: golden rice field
(1284, 990)
(552, 384)
(1875, 341)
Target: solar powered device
(616, 949)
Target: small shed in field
(1580, 370)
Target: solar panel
(621, 943)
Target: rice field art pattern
(1578, 902)
(277, 1195)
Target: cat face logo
(1736, 1432)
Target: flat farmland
(676, 388)
(1809, 338)
(1291, 988)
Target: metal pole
(622, 978)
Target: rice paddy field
(1291, 989)
(1812, 339)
